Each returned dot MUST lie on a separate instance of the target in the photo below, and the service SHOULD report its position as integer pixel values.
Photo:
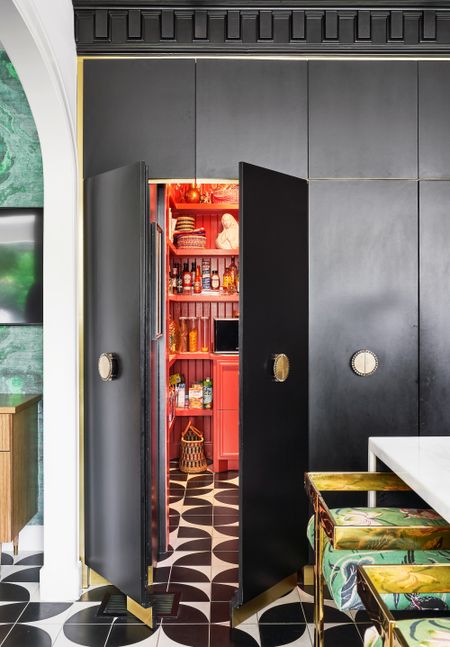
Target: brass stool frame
(374, 581)
(360, 537)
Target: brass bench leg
(16, 545)
(319, 541)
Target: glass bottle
(193, 335)
(187, 280)
(233, 271)
(207, 393)
(193, 273)
(174, 280)
(215, 280)
(226, 280)
(198, 281)
(179, 283)
(237, 282)
(184, 341)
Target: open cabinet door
(273, 414)
(117, 389)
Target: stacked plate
(185, 223)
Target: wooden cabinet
(254, 111)
(18, 464)
(226, 412)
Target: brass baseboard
(91, 578)
(248, 609)
(143, 614)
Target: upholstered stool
(376, 583)
(344, 538)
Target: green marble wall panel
(21, 185)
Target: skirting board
(31, 538)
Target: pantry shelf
(193, 412)
(205, 298)
(188, 207)
(200, 251)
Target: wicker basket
(185, 241)
(192, 457)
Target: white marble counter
(423, 463)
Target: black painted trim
(325, 28)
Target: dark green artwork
(21, 185)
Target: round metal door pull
(364, 363)
(107, 366)
(280, 367)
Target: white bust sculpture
(229, 237)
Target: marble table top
(423, 463)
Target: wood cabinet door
(363, 295)
(254, 111)
(362, 119)
(140, 109)
(228, 434)
(227, 384)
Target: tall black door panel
(435, 308)
(434, 108)
(363, 119)
(117, 429)
(140, 109)
(252, 110)
(363, 295)
(273, 450)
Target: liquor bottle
(187, 280)
(198, 281)
(226, 280)
(179, 286)
(215, 280)
(237, 282)
(193, 273)
(233, 271)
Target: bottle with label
(187, 280)
(198, 281)
(237, 282)
(206, 273)
(215, 280)
(207, 393)
(179, 283)
(226, 280)
(233, 271)
(193, 273)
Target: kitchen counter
(423, 463)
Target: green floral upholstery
(426, 632)
(340, 567)
(386, 517)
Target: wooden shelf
(172, 359)
(199, 356)
(200, 251)
(205, 298)
(193, 412)
(206, 206)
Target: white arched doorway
(39, 39)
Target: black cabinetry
(140, 109)
(434, 109)
(251, 110)
(363, 295)
(363, 119)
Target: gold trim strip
(144, 614)
(355, 481)
(242, 613)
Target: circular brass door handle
(364, 362)
(108, 366)
(280, 367)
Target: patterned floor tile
(244, 636)
(28, 636)
(122, 635)
(189, 635)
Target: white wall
(38, 38)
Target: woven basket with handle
(192, 457)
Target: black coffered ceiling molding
(294, 28)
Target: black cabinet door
(252, 110)
(435, 308)
(140, 109)
(434, 108)
(117, 427)
(363, 119)
(273, 415)
(363, 295)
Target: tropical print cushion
(340, 566)
(386, 517)
(428, 632)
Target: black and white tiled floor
(202, 565)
